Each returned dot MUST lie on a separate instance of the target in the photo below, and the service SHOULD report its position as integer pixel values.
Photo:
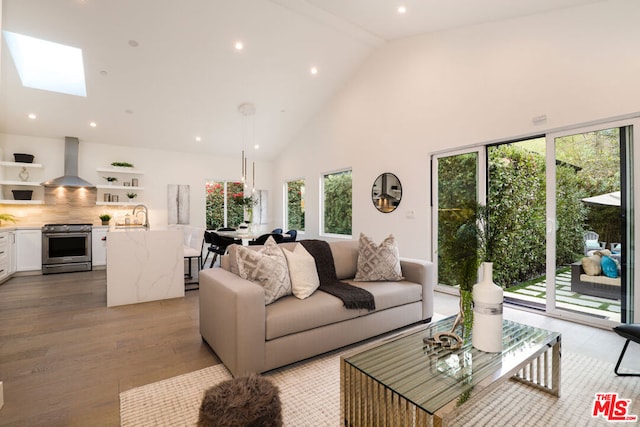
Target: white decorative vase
(487, 312)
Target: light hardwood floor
(65, 356)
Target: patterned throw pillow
(267, 267)
(378, 262)
(302, 270)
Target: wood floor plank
(65, 356)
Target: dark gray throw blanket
(351, 296)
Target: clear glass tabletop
(432, 377)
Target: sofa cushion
(266, 267)
(378, 262)
(390, 294)
(345, 258)
(291, 315)
(302, 271)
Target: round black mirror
(386, 192)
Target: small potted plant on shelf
(7, 217)
(132, 196)
(121, 165)
(110, 179)
(105, 219)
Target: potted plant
(105, 219)
(121, 165)
(7, 217)
(110, 179)
(248, 203)
(132, 196)
(470, 245)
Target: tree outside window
(295, 205)
(337, 203)
(224, 204)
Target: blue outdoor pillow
(609, 267)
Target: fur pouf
(241, 402)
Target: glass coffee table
(403, 381)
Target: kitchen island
(144, 265)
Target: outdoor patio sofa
(249, 336)
(598, 286)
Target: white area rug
(310, 395)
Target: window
(224, 204)
(294, 212)
(336, 203)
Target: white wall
(160, 169)
(485, 83)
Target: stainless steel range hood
(70, 177)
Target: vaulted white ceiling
(185, 79)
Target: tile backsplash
(63, 206)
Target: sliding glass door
(591, 227)
(457, 185)
(559, 203)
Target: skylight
(46, 65)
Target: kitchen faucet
(146, 214)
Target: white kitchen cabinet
(12, 252)
(28, 250)
(99, 246)
(5, 257)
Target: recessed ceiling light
(32, 116)
(256, 147)
(239, 45)
(402, 10)
(198, 139)
(313, 71)
(128, 111)
(133, 43)
(93, 124)
(104, 73)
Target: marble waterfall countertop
(144, 265)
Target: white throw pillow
(378, 262)
(302, 271)
(267, 267)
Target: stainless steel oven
(66, 248)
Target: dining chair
(290, 236)
(219, 245)
(262, 239)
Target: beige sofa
(251, 337)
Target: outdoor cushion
(609, 267)
(591, 265)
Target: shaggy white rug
(310, 395)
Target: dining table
(245, 235)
